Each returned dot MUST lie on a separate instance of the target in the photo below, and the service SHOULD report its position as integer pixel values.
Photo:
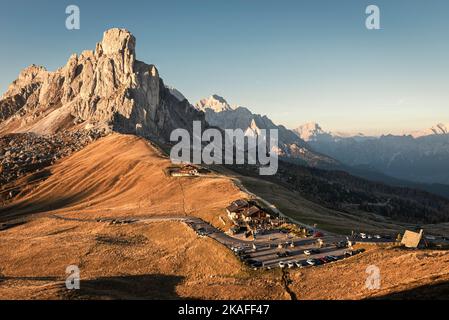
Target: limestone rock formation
(104, 87)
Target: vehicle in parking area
(307, 252)
(311, 262)
(341, 244)
(290, 264)
(348, 253)
(351, 253)
(376, 236)
(299, 264)
(237, 249)
(257, 264)
(281, 264)
(332, 258)
(283, 254)
(323, 260)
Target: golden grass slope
(121, 176)
(164, 260)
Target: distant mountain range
(291, 147)
(421, 156)
(312, 131)
(360, 155)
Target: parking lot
(273, 249)
(276, 249)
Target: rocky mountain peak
(309, 131)
(215, 103)
(102, 87)
(118, 41)
(27, 76)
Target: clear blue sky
(296, 61)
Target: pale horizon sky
(295, 61)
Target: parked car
(290, 264)
(299, 264)
(237, 249)
(311, 262)
(257, 264)
(281, 264)
(282, 254)
(307, 252)
(323, 260)
(341, 244)
(332, 258)
(377, 236)
(349, 253)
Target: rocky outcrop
(106, 86)
(25, 153)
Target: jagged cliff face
(105, 87)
